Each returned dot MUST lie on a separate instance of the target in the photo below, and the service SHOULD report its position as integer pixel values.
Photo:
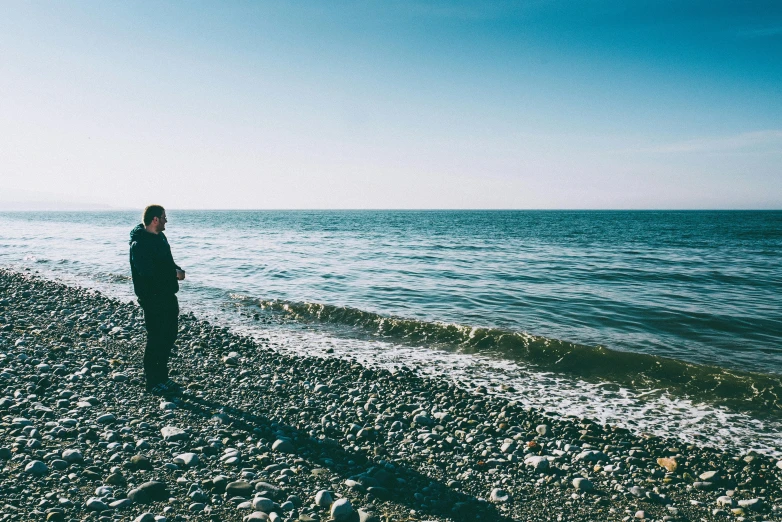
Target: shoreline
(398, 445)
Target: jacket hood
(139, 233)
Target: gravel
(261, 435)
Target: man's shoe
(172, 387)
(158, 389)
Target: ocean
(663, 321)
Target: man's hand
(180, 274)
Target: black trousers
(161, 316)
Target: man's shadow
(371, 479)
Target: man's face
(161, 222)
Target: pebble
(72, 456)
(106, 418)
(323, 498)
(341, 509)
(257, 516)
(583, 484)
(173, 434)
(537, 462)
(96, 504)
(186, 460)
(239, 488)
(283, 446)
(263, 504)
(499, 496)
(36, 467)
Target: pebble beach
(258, 434)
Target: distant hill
(51, 205)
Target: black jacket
(152, 265)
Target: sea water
(668, 322)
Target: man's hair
(152, 212)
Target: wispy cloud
(767, 141)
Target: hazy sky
(393, 104)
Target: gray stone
(263, 504)
(283, 446)
(186, 460)
(120, 504)
(752, 503)
(583, 484)
(499, 496)
(422, 420)
(710, 476)
(172, 433)
(239, 488)
(725, 501)
(72, 456)
(145, 517)
(341, 509)
(96, 504)
(157, 490)
(106, 418)
(592, 456)
(256, 516)
(543, 430)
(537, 462)
(36, 467)
(365, 516)
(103, 491)
(323, 498)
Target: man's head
(154, 219)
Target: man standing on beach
(156, 281)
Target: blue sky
(410, 104)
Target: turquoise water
(688, 301)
